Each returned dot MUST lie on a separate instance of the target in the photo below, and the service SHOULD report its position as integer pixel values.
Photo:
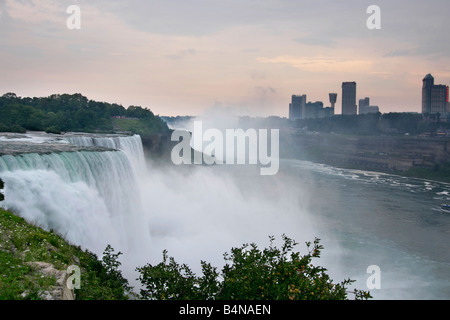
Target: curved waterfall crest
(90, 197)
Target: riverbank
(34, 263)
(411, 156)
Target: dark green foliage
(53, 129)
(21, 242)
(19, 280)
(438, 172)
(75, 112)
(102, 279)
(250, 274)
(172, 281)
(113, 276)
(363, 124)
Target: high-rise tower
(434, 97)
(349, 98)
(428, 83)
(297, 107)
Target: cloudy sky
(244, 56)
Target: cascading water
(130, 145)
(91, 198)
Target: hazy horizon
(247, 57)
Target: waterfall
(96, 198)
(130, 145)
(91, 198)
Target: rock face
(382, 153)
(38, 142)
(60, 291)
(158, 146)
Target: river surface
(385, 220)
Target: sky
(245, 57)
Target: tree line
(364, 124)
(71, 112)
(377, 123)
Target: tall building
(434, 97)
(312, 110)
(365, 107)
(297, 107)
(349, 98)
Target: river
(385, 220)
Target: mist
(199, 212)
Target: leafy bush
(102, 279)
(53, 129)
(17, 129)
(250, 274)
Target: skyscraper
(349, 98)
(428, 83)
(297, 107)
(434, 97)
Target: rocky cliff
(380, 153)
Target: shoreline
(413, 157)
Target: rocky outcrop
(61, 290)
(158, 146)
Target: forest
(74, 112)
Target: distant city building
(349, 98)
(299, 108)
(312, 110)
(435, 98)
(333, 99)
(325, 112)
(365, 107)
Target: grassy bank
(23, 244)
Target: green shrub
(250, 274)
(17, 129)
(53, 129)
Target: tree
(249, 274)
(73, 112)
(9, 95)
(112, 276)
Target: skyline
(248, 57)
